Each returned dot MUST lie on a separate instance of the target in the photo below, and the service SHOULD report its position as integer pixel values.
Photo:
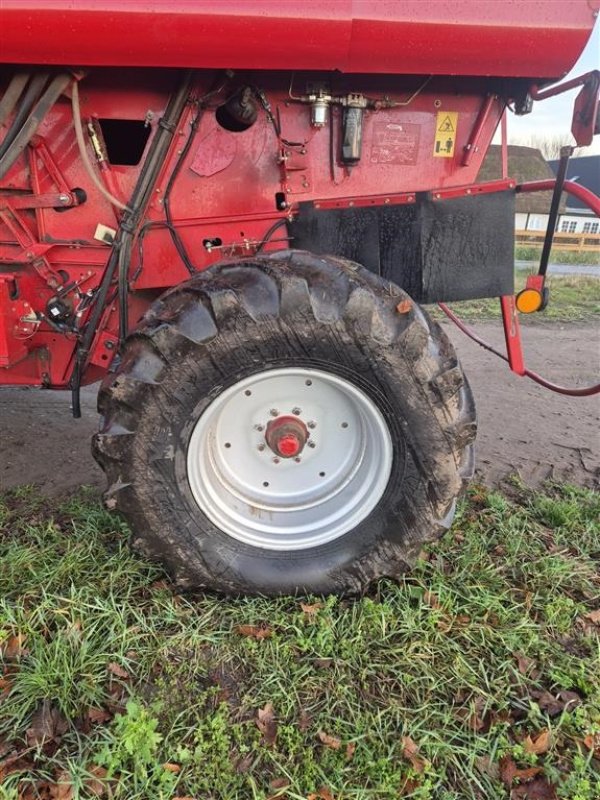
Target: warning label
(445, 134)
(395, 143)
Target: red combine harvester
(231, 213)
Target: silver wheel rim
(252, 493)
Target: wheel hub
(286, 436)
(289, 459)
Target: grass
(573, 298)
(558, 256)
(477, 676)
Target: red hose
(585, 392)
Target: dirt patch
(523, 428)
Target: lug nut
(276, 460)
(311, 443)
(261, 447)
(312, 425)
(297, 411)
(273, 412)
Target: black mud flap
(436, 250)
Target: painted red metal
(539, 39)
(233, 186)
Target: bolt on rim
(266, 492)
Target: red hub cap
(286, 436)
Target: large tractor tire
(286, 423)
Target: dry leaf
(174, 768)
(117, 670)
(524, 663)
(592, 742)
(350, 749)
(255, 631)
(540, 745)
(329, 741)
(555, 705)
(538, 789)
(305, 720)
(593, 616)
(322, 794)
(410, 752)
(432, 600)
(98, 715)
(311, 611)
(47, 724)
(323, 663)
(62, 789)
(266, 724)
(14, 648)
(279, 783)
(96, 783)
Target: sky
(553, 116)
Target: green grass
(558, 256)
(123, 677)
(573, 298)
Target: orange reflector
(529, 300)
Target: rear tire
(366, 390)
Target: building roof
(586, 171)
(524, 164)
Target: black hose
(14, 90)
(27, 132)
(120, 254)
(31, 95)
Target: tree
(548, 144)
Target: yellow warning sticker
(445, 134)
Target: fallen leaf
(323, 663)
(255, 631)
(486, 766)
(116, 669)
(305, 720)
(242, 764)
(593, 616)
(47, 724)
(350, 749)
(508, 770)
(524, 663)
(169, 767)
(409, 786)
(98, 715)
(329, 741)
(592, 742)
(554, 705)
(279, 783)
(322, 794)
(14, 648)
(62, 789)
(540, 745)
(267, 724)
(430, 599)
(410, 752)
(311, 611)
(96, 783)
(538, 789)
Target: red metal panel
(526, 38)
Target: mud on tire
(237, 320)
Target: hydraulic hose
(12, 94)
(83, 151)
(119, 258)
(32, 93)
(24, 136)
(586, 391)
